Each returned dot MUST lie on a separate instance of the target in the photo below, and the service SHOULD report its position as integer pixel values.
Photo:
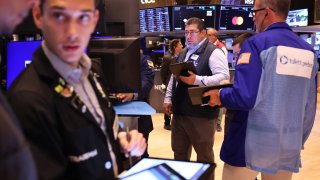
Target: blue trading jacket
(274, 98)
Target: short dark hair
(96, 2)
(173, 44)
(197, 21)
(241, 39)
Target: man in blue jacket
(274, 98)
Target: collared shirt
(78, 78)
(218, 65)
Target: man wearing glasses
(274, 98)
(193, 125)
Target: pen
(129, 153)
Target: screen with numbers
(154, 19)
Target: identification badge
(194, 57)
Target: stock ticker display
(154, 20)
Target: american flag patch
(244, 58)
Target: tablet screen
(189, 170)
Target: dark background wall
(126, 11)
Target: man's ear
(96, 17)
(37, 17)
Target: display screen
(154, 20)
(237, 2)
(236, 18)
(19, 55)
(189, 170)
(181, 14)
(297, 18)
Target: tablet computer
(181, 69)
(187, 169)
(158, 172)
(196, 93)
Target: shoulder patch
(244, 58)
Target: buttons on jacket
(108, 165)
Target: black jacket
(165, 68)
(15, 156)
(66, 141)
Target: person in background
(16, 160)
(236, 45)
(175, 48)
(193, 125)
(273, 98)
(212, 35)
(145, 125)
(61, 101)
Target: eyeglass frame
(192, 33)
(254, 12)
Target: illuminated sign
(148, 1)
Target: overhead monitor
(237, 2)
(180, 15)
(236, 18)
(317, 40)
(228, 43)
(19, 55)
(120, 62)
(154, 19)
(297, 18)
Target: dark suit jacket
(16, 161)
(165, 68)
(67, 142)
(145, 125)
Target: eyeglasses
(254, 12)
(192, 33)
(211, 35)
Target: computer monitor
(180, 15)
(237, 2)
(297, 18)
(236, 18)
(120, 62)
(228, 43)
(154, 19)
(19, 55)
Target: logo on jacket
(84, 156)
(284, 60)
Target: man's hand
(136, 146)
(124, 97)
(167, 108)
(214, 97)
(188, 80)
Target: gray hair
(281, 7)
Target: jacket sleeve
(37, 121)
(244, 92)
(16, 161)
(147, 80)
(311, 106)
(164, 71)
